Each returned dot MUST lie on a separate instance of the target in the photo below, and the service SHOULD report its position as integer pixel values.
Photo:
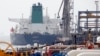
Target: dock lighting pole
(96, 3)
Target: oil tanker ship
(37, 29)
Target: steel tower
(67, 16)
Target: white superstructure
(51, 26)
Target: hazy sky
(15, 8)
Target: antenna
(46, 11)
(55, 15)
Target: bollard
(21, 54)
(26, 53)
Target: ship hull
(24, 39)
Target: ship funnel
(37, 14)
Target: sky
(15, 9)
